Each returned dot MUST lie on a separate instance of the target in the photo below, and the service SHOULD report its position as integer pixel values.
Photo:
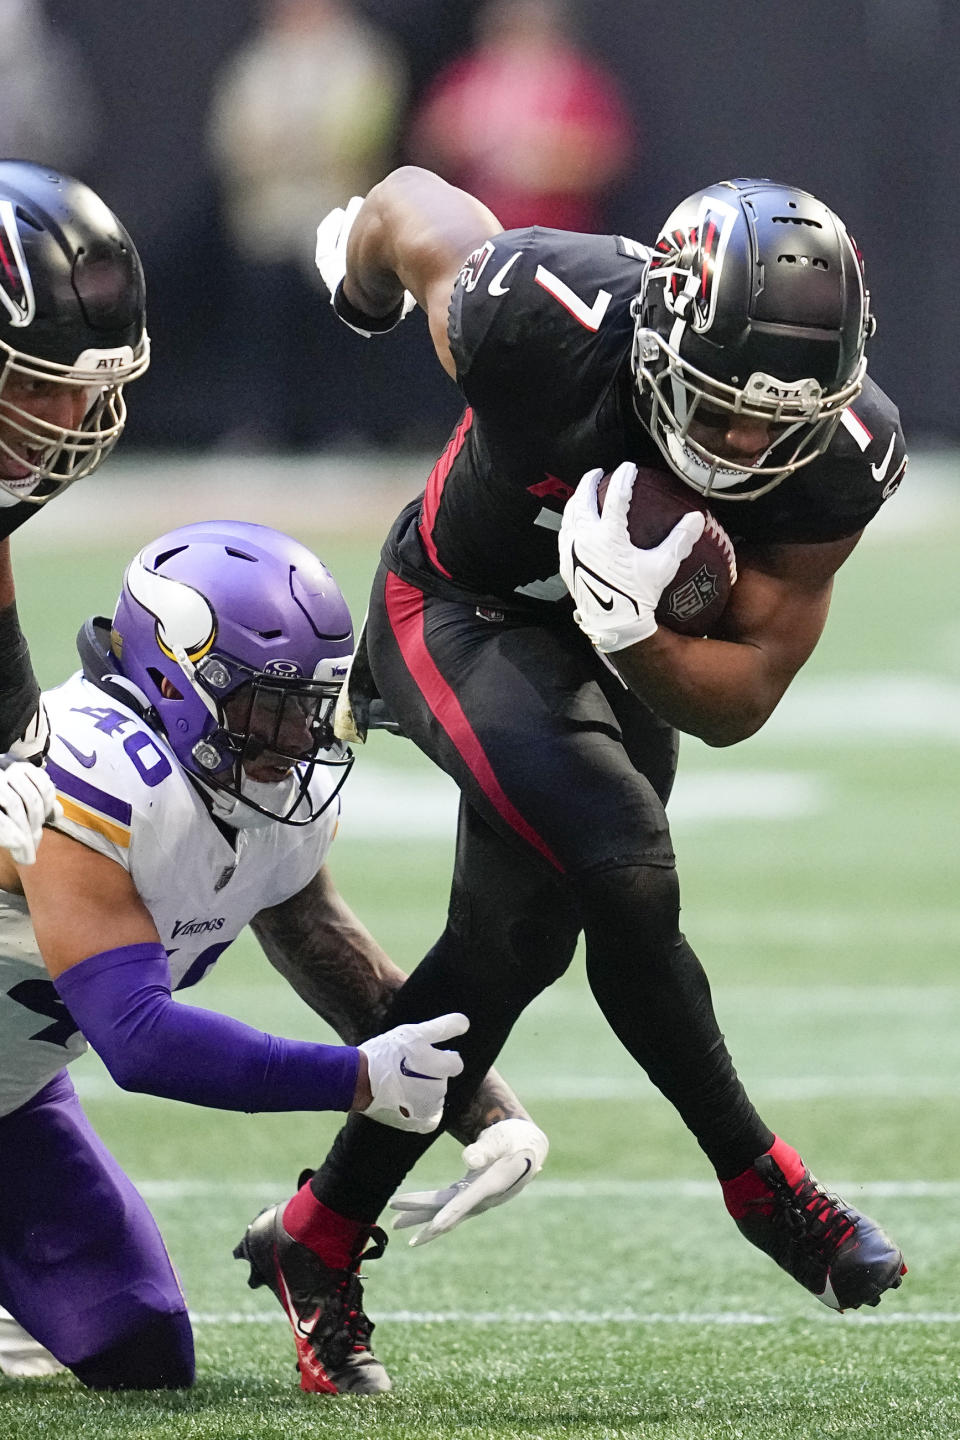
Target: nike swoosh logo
(527, 1167)
(413, 1074)
(604, 604)
(296, 1321)
(85, 760)
(305, 1326)
(580, 570)
(879, 472)
(496, 286)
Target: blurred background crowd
(222, 131)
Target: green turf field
(819, 866)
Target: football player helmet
(252, 636)
(752, 314)
(72, 314)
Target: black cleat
(839, 1255)
(324, 1307)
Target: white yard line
(420, 803)
(173, 1191)
(590, 1317)
(536, 1087)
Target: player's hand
(615, 585)
(408, 1075)
(27, 800)
(333, 233)
(500, 1162)
(34, 743)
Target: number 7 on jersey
(589, 316)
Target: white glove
(331, 260)
(616, 586)
(504, 1159)
(27, 799)
(408, 1076)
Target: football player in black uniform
(732, 355)
(72, 333)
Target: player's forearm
(336, 966)
(412, 227)
(121, 1001)
(330, 959)
(19, 691)
(720, 691)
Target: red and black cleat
(324, 1307)
(839, 1255)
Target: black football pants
(563, 777)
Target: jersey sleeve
(864, 467)
(106, 767)
(874, 439)
(477, 317)
(96, 816)
(529, 310)
(836, 495)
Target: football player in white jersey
(72, 334)
(199, 783)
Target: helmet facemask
(272, 732)
(675, 397)
(49, 457)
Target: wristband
(358, 320)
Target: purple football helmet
(238, 639)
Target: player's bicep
(81, 903)
(422, 229)
(780, 602)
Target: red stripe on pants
(405, 613)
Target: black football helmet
(753, 305)
(72, 313)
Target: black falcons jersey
(541, 331)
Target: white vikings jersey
(124, 794)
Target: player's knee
(637, 905)
(157, 1356)
(513, 946)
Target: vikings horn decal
(185, 621)
(16, 287)
(690, 264)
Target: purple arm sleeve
(149, 1042)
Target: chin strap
(14, 514)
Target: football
(695, 599)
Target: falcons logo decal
(474, 266)
(689, 264)
(16, 288)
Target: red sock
(745, 1192)
(334, 1238)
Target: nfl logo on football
(693, 595)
